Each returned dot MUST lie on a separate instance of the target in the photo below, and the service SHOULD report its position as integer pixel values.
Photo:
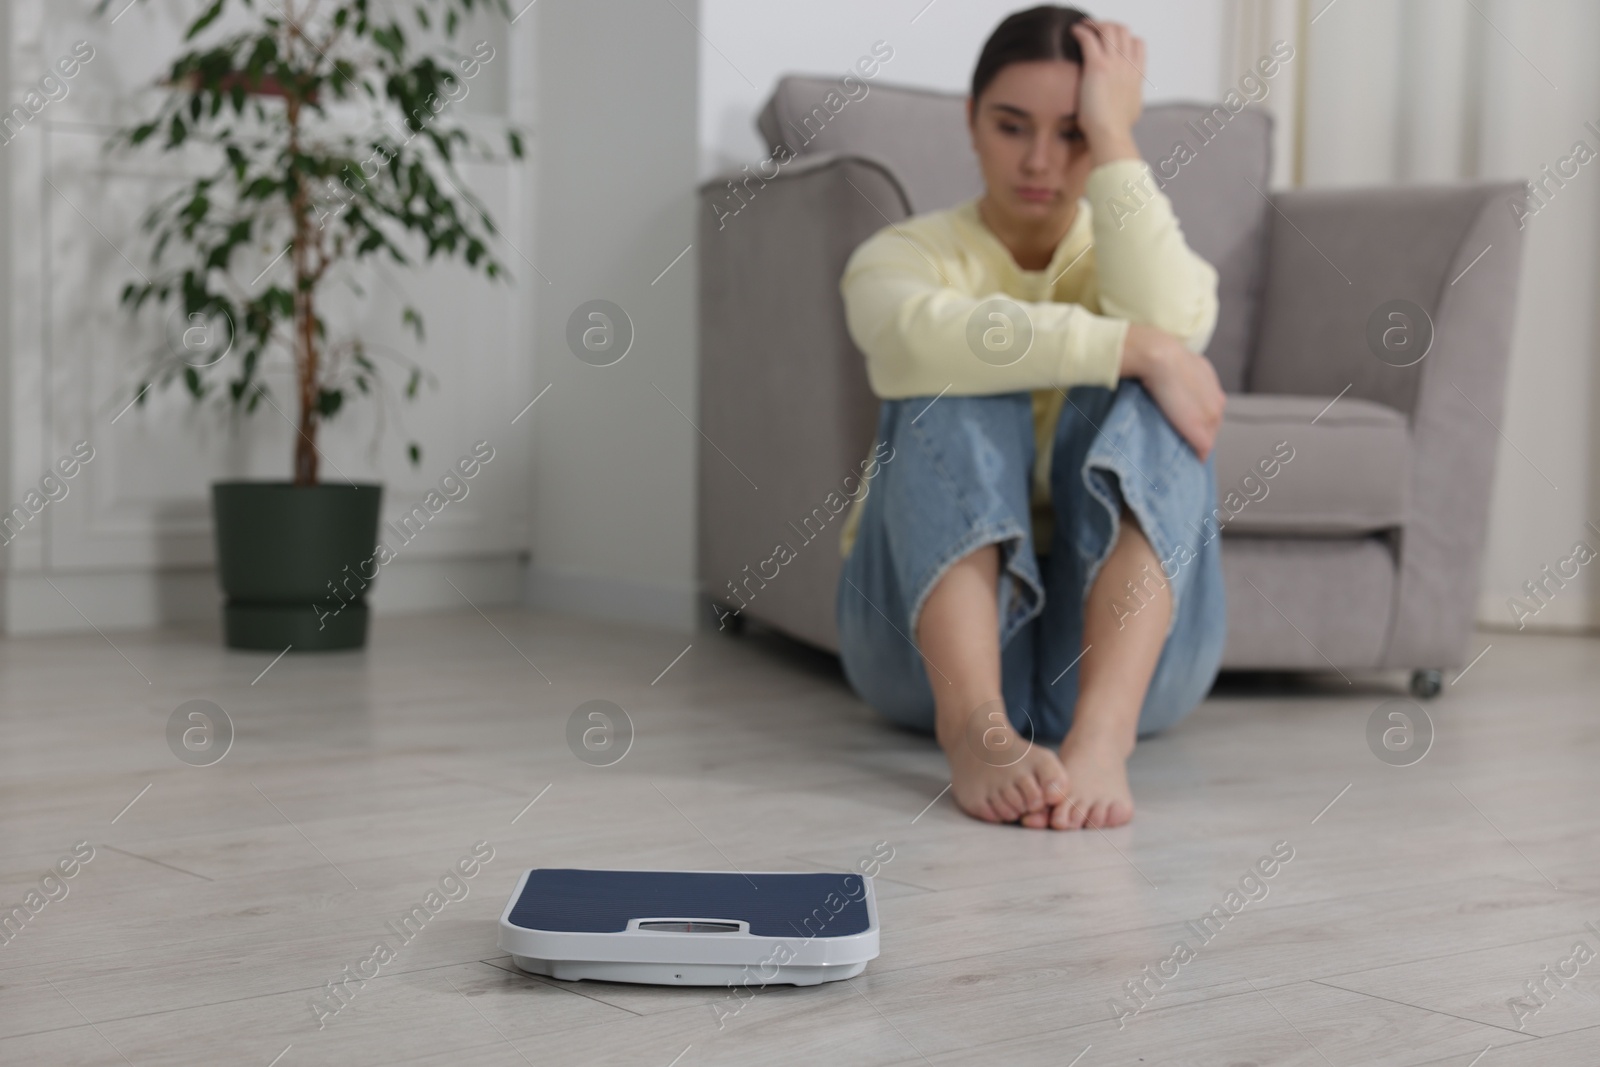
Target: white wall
(615, 487)
(749, 44)
(1551, 426)
(131, 544)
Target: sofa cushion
(1287, 466)
(1205, 159)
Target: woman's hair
(1043, 32)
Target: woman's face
(1024, 128)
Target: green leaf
(414, 450)
(413, 382)
(328, 401)
(206, 18)
(413, 318)
(196, 208)
(391, 40)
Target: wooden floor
(220, 900)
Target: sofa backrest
(1213, 164)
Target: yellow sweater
(911, 288)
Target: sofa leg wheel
(1426, 684)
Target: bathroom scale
(691, 928)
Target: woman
(1026, 567)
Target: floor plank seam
(158, 863)
(1419, 1007)
(1445, 956)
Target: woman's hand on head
(1182, 382)
(1110, 93)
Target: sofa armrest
(785, 407)
(1336, 256)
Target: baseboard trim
(667, 607)
(1568, 612)
(82, 601)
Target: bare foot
(996, 775)
(1097, 793)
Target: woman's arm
(1147, 273)
(908, 317)
(915, 326)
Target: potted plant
(324, 141)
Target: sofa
(1364, 331)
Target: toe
(1068, 814)
(1031, 795)
(1011, 797)
(1076, 813)
(1053, 783)
(1036, 820)
(1003, 809)
(1056, 790)
(1118, 813)
(1097, 815)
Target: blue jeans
(959, 478)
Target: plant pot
(295, 563)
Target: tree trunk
(305, 446)
(305, 334)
